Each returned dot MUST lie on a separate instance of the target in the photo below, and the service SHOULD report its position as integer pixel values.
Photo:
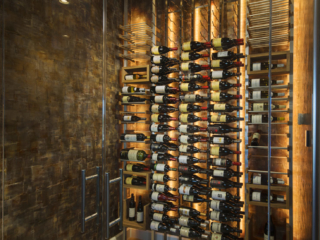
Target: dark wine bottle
(187, 107)
(256, 138)
(225, 64)
(194, 199)
(223, 228)
(187, 190)
(134, 155)
(136, 168)
(163, 206)
(133, 137)
(162, 138)
(162, 70)
(184, 159)
(140, 216)
(135, 181)
(190, 118)
(157, 50)
(262, 82)
(221, 195)
(223, 107)
(157, 196)
(222, 151)
(188, 232)
(162, 157)
(265, 66)
(190, 222)
(161, 167)
(272, 230)
(190, 149)
(163, 99)
(162, 80)
(264, 107)
(219, 236)
(160, 128)
(227, 55)
(159, 226)
(222, 217)
(223, 140)
(193, 179)
(223, 162)
(131, 89)
(227, 173)
(161, 217)
(195, 46)
(159, 147)
(192, 169)
(223, 97)
(132, 118)
(192, 98)
(225, 43)
(162, 118)
(223, 74)
(132, 209)
(164, 61)
(190, 139)
(263, 118)
(190, 87)
(155, 108)
(222, 128)
(224, 184)
(223, 206)
(262, 196)
(264, 94)
(134, 76)
(161, 188)
(187, 211)
(223, 118)
(262, 179)
(129, 99)
(183, 128)
(193, 67)
(191, 56)
(161, 177)
(222, 85)
(193, 77)
(163, 89)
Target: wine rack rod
(272, 172)
(266, 99)
(266, 147)
(273, 111)
(144, 122)
(266, 87)
(123, 112)
(133, 103)
(273, 123)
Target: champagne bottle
(155, 108)
(159, 147)
(188, 232)
(162, 157)
(162, 138)
(162, 80)
(224, 64)
(132, 208)
(227, 55)
(162, 118)
(161, 177)
(222, 128)
(193, 67)
(132, 118)
(264, 66)
(161, 167)
(223, 85)
(129, 99)
(222, 217)
(140, 216)
(195, 46)
(191, 169)
(131, 89)
(227, 173)
(223, 206)
(136, 168)
(157, 196)
(190, 139)
(190, 149)
(256, 138)
(135, 181)
(187, 107)
(223, 118)
(160, 127)
(264, 94)
(194, 77)
(221, 195)
(134, 155)
(161, 188)
(223, 107)
(262, 179)
(190, 87)
(194, 199)
(189, 118)
(223, 228)
(263, 118)
(262, 82)
(163, 99)
(223, 140)
(157, 50)
(224, 184)
(183, 128)
(223, 74)
(163, 207)
(134, 76)
(222, 151)
(262, 196)
(225, 43)
(164, 61)
(272, 230)
(133, 137)
(162, 70)
(223, 97)
(184, 189)
(192, 98)
(161, 217)
(192, 179)
(190, 222)
(191, 56)
(159, 226)
(264, 107)
(163, 89)
(223, 162)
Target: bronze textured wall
(53, 114)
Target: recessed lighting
(64, 1)
(66, 36)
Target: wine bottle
(225, 43)
(193, 77)
(162, 70)
(261, 196)
(160, 128)
(222, 217)
(157, 50)
(191, 169)
(223, 107)
(188, 118)
(190, 149)
(223, 228)
(225, 64)
(223, 74)
(130, 89)
(184, 159)
(133, 155)
(136, 168)
(183, 128)
(264, 94)
(223, 162)
(219, 236)
(223, 97)
(256, 138)
(140, 216)
(190, 87)
(163, 99)
(222, 128)
(159, 226)
(157, 196)
(187, 211)
(190, 222)
(264, 66)
(159, 147)
(192, 179)
(223, 85)
(163, 89)
(220, 195)
(161, 177)
(162, 80)
(135, 181)
(264, 107)
(129, 99)
(195, 46)
(134, 76)
(261, 82)
(193, 67)
(132, 118)
(161, 167)
(223, 206)
(133, 137)
(191, 56)
(190, 139)
(222, 151)
(263, 118)
(187, 107)
(225, 173)
(215, 118)
(163, 206)
(272, 230)
(161, 188)
(188, 232)
(162, 138)
(227, 55)
(192, 98)
(262, 179)
(161, 217)
(132, 208)
(223, 140)
(155, 108)
(164, 61)
(162, 157)
(194, 198)
(162, 118)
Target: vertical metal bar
(154, 22)
(83, 199)
(121, 199)
(192, 22)
(98, 194)
(107, 183)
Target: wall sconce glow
(64, 1)
(65, 36)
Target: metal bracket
(83, 198)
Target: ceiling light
(64, 1)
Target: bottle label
(155, 108)
(184, 189)
(280, 181)
(132, 212)
(157, 177)
(158, 99)
(183, 128)
(217, 43)
(139, 216)
(183, 148)
(154, 117)
(155, 69)
(125, 99)
(256, 179)
(184, 231)
(256, 135)
(219, 195)
(127, 118)
(256, 67)
(130, 137)
(155, 50)
(157, 59)
(154, 79)
(125, 89)
(159, 137)
(183, 221)
(216, 227)
(256, 94)
(279, 198)
(217, 74)
(280, 94)
(183, 118)
(218, 140)
(154, 157)
(265, 237)
(256, 196)
(154, 127)
(188, 198)
(222, 54)
(160, 89)
(184, 211)
(256, 118)
(215, 96)
(279, 81)
(184, 66)
(184, 56)
(279, 65)
(160, 188)
(129, 167)
(157, 206)
(255, 82)
(154, 225)
(184, 139)
(154, 196)
(157, 216)
(128, 77)
(218, 118)
(216, 236)
(215, 86)
(218, 173)
(129, 180)
(217, 162)
(214, 215)
(183, 108)
(214, 204)
(214, 151)
(190, 98)
(258, 107)
(219, 107)
(215, 63)
(184, 87)
(186, 46)
(183, 159)
(133, 154)
(160, 167)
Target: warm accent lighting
(64, 1)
